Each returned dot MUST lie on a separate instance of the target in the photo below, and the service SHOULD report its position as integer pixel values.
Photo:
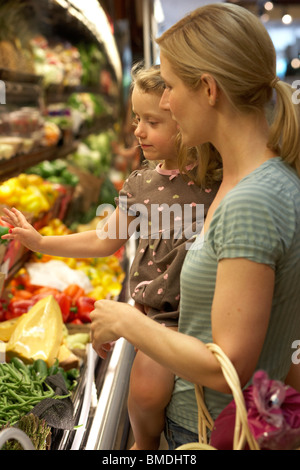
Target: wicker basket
(242, 433)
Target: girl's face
(155, 129)
(188, 107)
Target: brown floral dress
(170, 211)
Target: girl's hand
(23, 231)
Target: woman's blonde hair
(149, 80)
(230, 43)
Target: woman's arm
(240, 316)
(293, 377)
(241, 311)
(94, 243)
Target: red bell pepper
(18, 307)
(77, 321)
(64, 302)
(3, 309)
(85, 305)
(20, 282)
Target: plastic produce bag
(273, 411)
(58, 275)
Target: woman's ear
(210, 88)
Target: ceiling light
(295, 63)
(268, 6)
(265, 17)
(287, 19)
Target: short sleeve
(252, 224)
(128, 195)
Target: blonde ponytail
(284, 137)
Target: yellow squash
(7, 327)
(38, 334)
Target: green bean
(4, 376)
(16, 396)
(21, 390)
(15, 373)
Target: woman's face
(188, 107)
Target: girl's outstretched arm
(95, 243)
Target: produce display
(33, 344)
(29, 336)
(3, 231)
(23, 387)
(28, 56)
(55, 171)
(57, 63)
(105, 275)
(75, 305)
(44, 328)
(15, 54)
(21, 131)
(35, 428)
(79, 110)
(28, 193)
(38, 334)
(94, 154)
(88, 105)
(25, 48)
(51, 134)
(93, 61)
(26, 129)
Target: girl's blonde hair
(149, 80)
(230, 43)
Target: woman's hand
(23, 231)
(106, 320)
(182, 354)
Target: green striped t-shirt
(259, 220)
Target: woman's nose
(164, 101)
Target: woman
(239, 281)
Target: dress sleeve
(252, 225)
(128, 195)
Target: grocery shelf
(20, 163)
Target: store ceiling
(280, 8)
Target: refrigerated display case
(100, 399)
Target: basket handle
(242, 433)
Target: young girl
(240, 282)
(147, 196)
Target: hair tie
(274, 82)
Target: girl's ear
(210, 88)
